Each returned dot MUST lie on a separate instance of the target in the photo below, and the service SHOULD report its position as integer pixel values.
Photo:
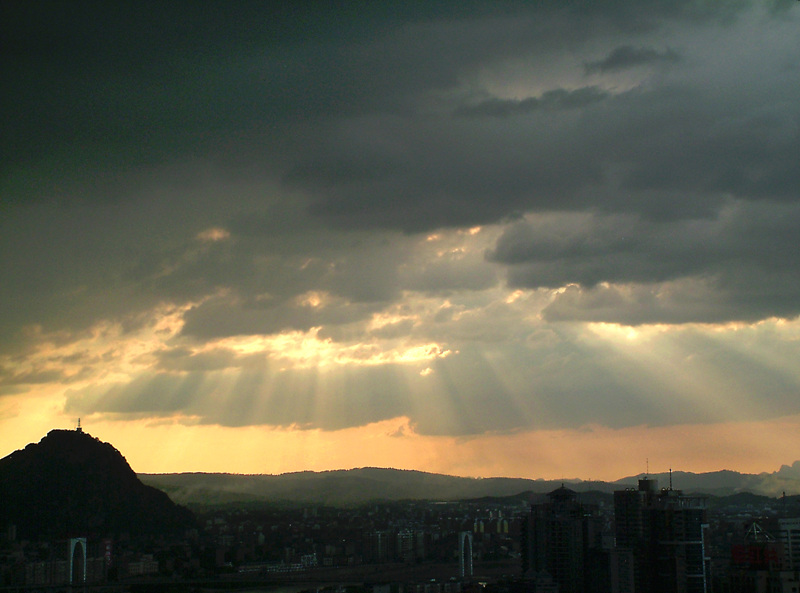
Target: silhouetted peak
(76, 452)
(77, 443)
(71, 482)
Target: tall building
(563, 541)
(789, 536)
(663, 533)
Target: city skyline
(495, 239)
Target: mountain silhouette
(71, 483)
(360, 485)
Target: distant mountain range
(71, 483)
(355, 486)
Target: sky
(534, 239)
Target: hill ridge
(72, 483)
(358, 485)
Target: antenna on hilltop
(78, 428)
(647, 467)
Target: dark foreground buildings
(659, 543)
(563, 541)
(660, 540)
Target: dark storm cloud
(114, 89)
(449, 173)
(98, 91)
(744, 239)
(461, 172)
(741, 263)
(130, 128)
(627, 56)
(73, 264)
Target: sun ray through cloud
(473, 239)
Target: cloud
(11, 383)
(553, 379)
(689, 300)
(632, 270)
(185, 360)
(229, 316)
(489, 218)
(554, 99)
(627, 56)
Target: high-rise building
(664, 533)
(789, 536)
(562, 540)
